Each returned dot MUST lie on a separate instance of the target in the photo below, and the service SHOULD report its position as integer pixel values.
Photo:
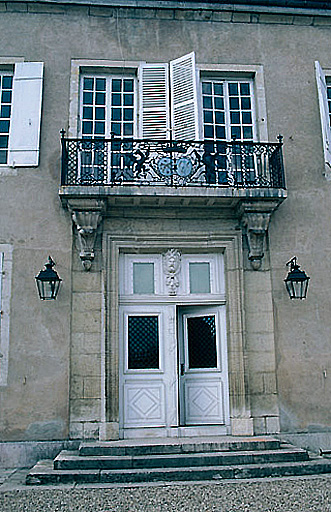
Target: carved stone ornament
(256, 226)
(171, 268)
(87, 222)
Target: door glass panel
(143, 278)
(199, 277)
(201, 339)
(143, 342)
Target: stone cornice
(298, 7)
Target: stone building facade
(172, 237)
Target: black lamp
(296, 281)
(48, 282)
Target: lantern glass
(296, 281)
(48, 282)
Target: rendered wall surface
(54, 343)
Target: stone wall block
(241, 17)
(272, 425)
(39, 8)
(91, 430)
(224, 16)
(269, 383)
(165, 14)
(92, 387)
(76, 430)
(104, 12)
(83, 365)
(184, 15)
(276, 18)
(261, 362)
(85, 410)
(16, 7)
(85, 343)
(303, 20)
(76, 386)
(260, 342)
(203, 15)
(264, 405)
(259, 425)
(86, 301)
(86, 321)
(86, 281)
(258, 323)
(322, 20)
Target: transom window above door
(171, 274)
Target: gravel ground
(300, 494)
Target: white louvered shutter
(1, 274)
(325, 118)
(184, 104)
(154, 101)
(26, 115)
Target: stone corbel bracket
(86, 218)
(255, 218)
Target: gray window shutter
(154, 101)
(325, 118)
(184, 104)
(26, 115)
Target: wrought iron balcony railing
(123, 162)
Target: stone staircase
(152, 460)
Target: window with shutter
(164, 100)
(6, 87)
(325, 116)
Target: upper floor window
(324, 96)
(227, 110)
(163, 101)
(108, 106)
(20, 113)
(6, 87)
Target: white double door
(173, 360)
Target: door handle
(182, 367)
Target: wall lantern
(48, 281)
(296, 281)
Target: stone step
(44, 473)
(174, 445)
(69, 460)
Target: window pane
(88, 98)
(128, 129)
(234, 103)
(6, 97)
(4, 126)
(100, 84)
(233, 89)
(128, 100)
(201, 337)
(116, 114)
(143, 342)
(219, 103)
(244, 89)
(116, 85)
(143, 278)
(88, 113)
(199, 277)
(3, 157)
(206, 88)
(100, 113)
(128, 85)
(128, 114)
(88, 84)
(3, 141)
(5, 111)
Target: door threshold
(175, 432)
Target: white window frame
(226, 71)
(108, 77)
(6, 252)
(323, 77)
(8, 64)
